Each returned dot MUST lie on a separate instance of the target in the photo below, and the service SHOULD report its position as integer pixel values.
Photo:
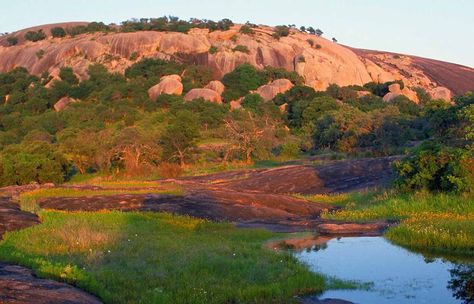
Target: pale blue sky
(440, 29)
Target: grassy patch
(347, 200)
(159, 258)
(435, 223)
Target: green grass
(29, 200)
(159, 258)
(432, 223)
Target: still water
(398, 275)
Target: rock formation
(216, 85)
(206, 94)
(62, 103)
(269, 91)
(170, 84)
(324, 62)
(395, 91)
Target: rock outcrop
(441, 93)
(62, 103)
(216, 85)
(206, 94)
(322, 65)
(170, 84)
(269, 91)
(395, 91)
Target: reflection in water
(462, 283)
(398, 275)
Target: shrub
(35, 35)
(239, 82)
(436, 168)
(12, 40)
(318, 46)
(58, 32)
(133, 56)
(67, 74)
(242, 49)
(213, 50)
(281, 31)
(251, 102)
(170, 170)
(40, 54)
(246, 30)
(311, 42)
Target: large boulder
(395, 91)
(441, 93)
(269, 91)
(62, 103)
(170, 84)
(216, 85)
(206, 94)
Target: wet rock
(365, 229)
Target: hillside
(321, 62)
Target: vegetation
(58, 32)
(241, 48)
(35, 35)
(159, 258)
(12, 40)
(281, 31)
(436, 223)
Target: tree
(239, 82)
(318, 32)
(179, 137)
(32, 162)
(80, 148)
(303, 29)
(58, 32)
(334, 40)
(248, 134)
(67, 74)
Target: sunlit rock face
(319, 61)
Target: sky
(439, 29)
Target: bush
(252, 102)
(246, 30)
(12, 40)
(58, 32)
(213, 50)
(436, 168)
(281, 31)
(35, 35)
(170, 170)
(242, 49)
(239, 82)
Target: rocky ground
(250, 198)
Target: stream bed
(396, 275)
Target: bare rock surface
(170, 85)
(216, 85)
(19, 285)
(62, 103)
(269, 91)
